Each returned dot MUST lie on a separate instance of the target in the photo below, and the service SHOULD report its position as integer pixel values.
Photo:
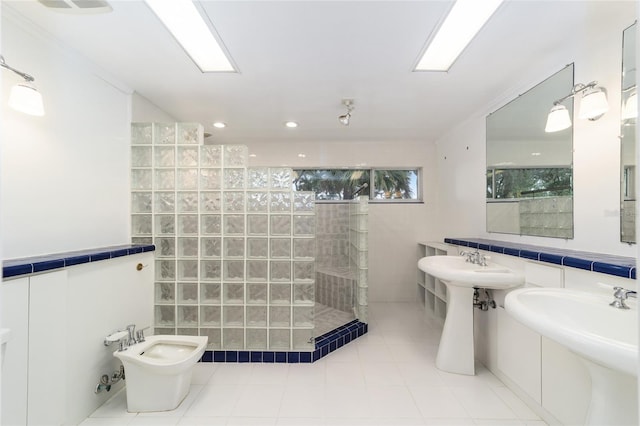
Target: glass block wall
(359, 254)
(235, 246)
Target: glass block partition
(359, 254)
(235, 246)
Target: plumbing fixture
(106, 382)
(475, 257)
(116, 336)
(131, 329)
(621, 294)
(484, 304)
(140, 335)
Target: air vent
(77, 6)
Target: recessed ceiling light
(291, 124)
(219, 125)
(252, 155)
(464, 21)
(302, 155)
(185, 23)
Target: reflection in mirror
(629, 116)
(529, 171)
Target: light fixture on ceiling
(291, 124)
(185, 23)
(344, 119)
(593, 105)
(219, 125)
(78, 6)
(24, 96)
(465, 19)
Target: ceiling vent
(77, 6)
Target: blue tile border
(595, 262)
(325, 344)
(31, 265)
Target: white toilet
(158, 371)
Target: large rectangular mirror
(530, 171)
(629, 116)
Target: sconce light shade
(558, 119)
(630, 108)
(26, 98)
(593, 104)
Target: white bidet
(158, 371)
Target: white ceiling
(298, 59)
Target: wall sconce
(344, 118)
(593, 105)
(24, 96)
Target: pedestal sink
(456, 352)
(605, 339)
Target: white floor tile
(343, 373)
(202, 373)
(480, 402)
(520, 408)
(202, 421)
(259, 401)
(386, 378)
(386, 401)
(437, 402)
(215, 401)
(303, 401)
(269, 374)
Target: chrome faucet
(475, 257)
(131, 329)
(621, 294)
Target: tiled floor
(386, 377)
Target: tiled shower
(235, 246)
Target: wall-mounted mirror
(529, 171)
(629, 116)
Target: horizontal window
(529, 182)
(384, 185)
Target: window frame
(372, 173)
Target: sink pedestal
(455, 353)
(614, 396)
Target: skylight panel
(465, 19)
(188, 27)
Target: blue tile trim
(30, 265)
(595, 262)
(325, 344)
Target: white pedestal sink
(456, 352)
(605, 338)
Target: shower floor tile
(385, 378)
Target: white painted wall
(143, 111)
(65, 176)
(394, 229)
(461, 153)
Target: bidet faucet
(621, 294)
(131, 329)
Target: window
(529, 182)
(395, 185)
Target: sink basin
(457, 270)
(456, 350)
(605, 339)
(581, 321)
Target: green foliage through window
(529, 182)
(346, 184)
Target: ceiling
(298, 59)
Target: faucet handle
(621, 294)
(140, 335)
